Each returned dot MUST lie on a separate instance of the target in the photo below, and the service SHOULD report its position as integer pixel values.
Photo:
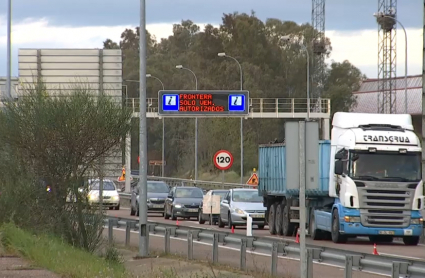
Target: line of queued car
(187, 202)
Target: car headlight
(92, 197)
(352, 218)
(115, 198)
(239, 211)
(177, 206)
(416, 221)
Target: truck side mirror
(339, 169)
(341, 154)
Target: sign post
(223, 160)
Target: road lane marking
(400, 256)
(251, 252)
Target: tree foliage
(272, 68)
(56, 142)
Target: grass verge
(57, 256)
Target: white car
(111, 198)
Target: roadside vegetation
(54, 254)
(56, 143)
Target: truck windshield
(385, 166)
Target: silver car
(157, 193)
(237, 204)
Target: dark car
(207, 217)
(157, 193)
(183, 202)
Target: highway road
(363, 245)
(255, 261)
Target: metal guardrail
(206, 185)
(348, 260)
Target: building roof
(15, 83)
(367, 96)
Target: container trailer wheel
(336, 236)
(279, 220)
(272, 219)
(288, 228)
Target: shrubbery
(56, 141)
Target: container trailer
(368, 181)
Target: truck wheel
(316, 234)
(272, 219)
(336, 236)
(411, 240)
(287, 227)
(279, 215)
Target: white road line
(252, 252)
(400, 256)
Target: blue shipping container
(272, 171)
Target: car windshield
(189, 193)
(247, 196)
(158, 187)
(107, 186)
(385, 166)
(220, 193)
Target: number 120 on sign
(223, 160)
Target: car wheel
(261, 227)
(173, 217)
(230, 223)
(220, 222)
(117, 207)
(166, 216)
(200, 220)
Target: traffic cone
(375, 251)
(297, 238)
(233, 229)
(177, 222)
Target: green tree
(272, 69)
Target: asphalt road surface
(363, 245)
(255, 261)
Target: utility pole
(143, 149)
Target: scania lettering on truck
(366, 181)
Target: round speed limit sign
(223, 160)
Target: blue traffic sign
(170, 102)
(236, 102)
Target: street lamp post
(163, 126)
(196, 123)
(381, 15)
(222, 54)
(9, 50)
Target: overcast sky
(76, 24)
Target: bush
(60, 142)
(54, 254)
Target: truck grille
(382, 207)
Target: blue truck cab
(368, 182)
